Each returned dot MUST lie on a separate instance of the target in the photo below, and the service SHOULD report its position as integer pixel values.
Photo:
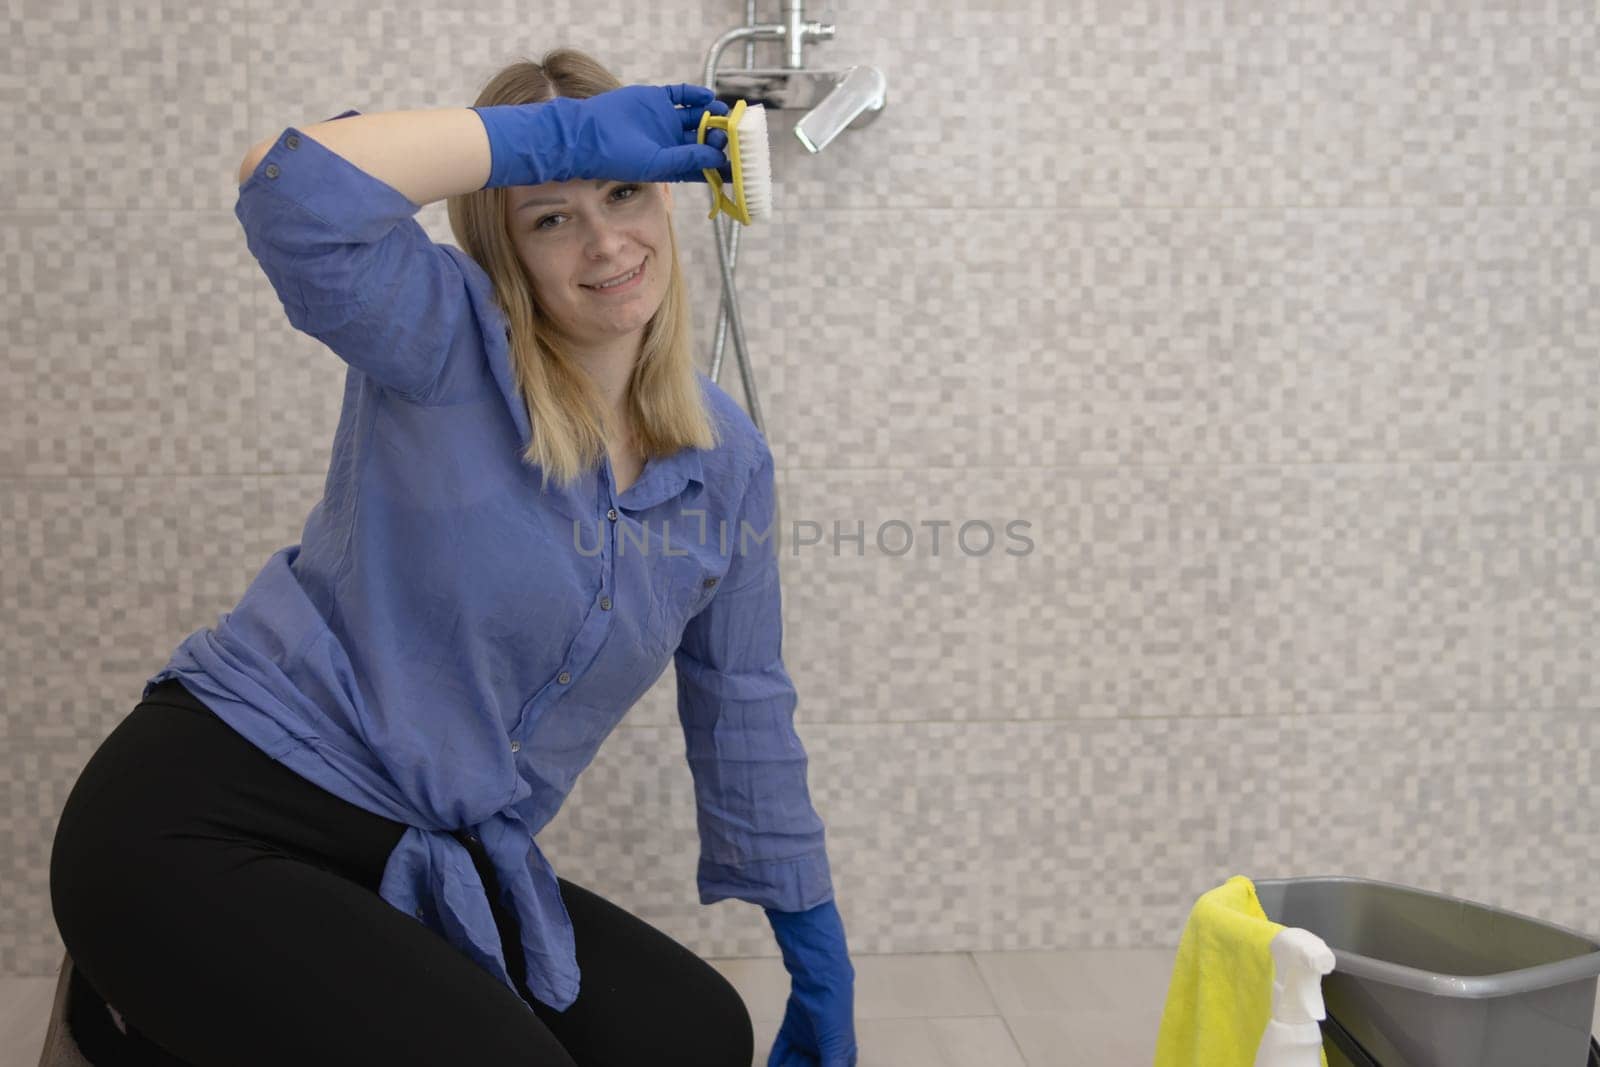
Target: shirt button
(563, 677)
(605, 603)
(419, 913)
(611, 513)
(293, 140)
(709, 582)
(516, 746)
(473, 838)
(272, 170)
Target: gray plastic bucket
(1427, 980)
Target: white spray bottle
(1293, 1038)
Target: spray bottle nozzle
(1300, 959)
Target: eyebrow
(531, 201)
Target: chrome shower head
(832, 100)
(863, 90)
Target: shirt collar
(662, 479)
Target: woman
(315, 838)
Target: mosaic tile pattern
(1276, 322)
(102, 576)
(130, 345)
(1102, 832)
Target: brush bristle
(755, 162)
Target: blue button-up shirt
(449, 644)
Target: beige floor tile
(1085, 1008)
(967, 1041)
(927, 986)
(24, 1011)
(959, 1042)
(1085, 1039)
(1101, 980)
(763, 984)
(767, 1032)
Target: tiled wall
(1276, 321)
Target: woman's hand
(818, 1028)
(644, 133)
(641, 133)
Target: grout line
(987, 988)
(901, 1018)
(800, 212)
(917, 468)
(1005, 1020)
(1585, 713)
(1011, 1035)
(1218, 465)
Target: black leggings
(228, 908)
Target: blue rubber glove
(818, 1028)
(636, 133)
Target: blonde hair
(664, 407)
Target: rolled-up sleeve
(761, 839)
(351, 265)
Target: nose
(603, 240)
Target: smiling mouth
(621, 280)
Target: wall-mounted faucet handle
(797, 31)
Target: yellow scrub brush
(748, 151)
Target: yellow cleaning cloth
(1220, 997)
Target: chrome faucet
(833, 101)
(863, 90)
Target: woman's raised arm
(427, 155)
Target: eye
(630, 189)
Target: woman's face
(571, 235)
